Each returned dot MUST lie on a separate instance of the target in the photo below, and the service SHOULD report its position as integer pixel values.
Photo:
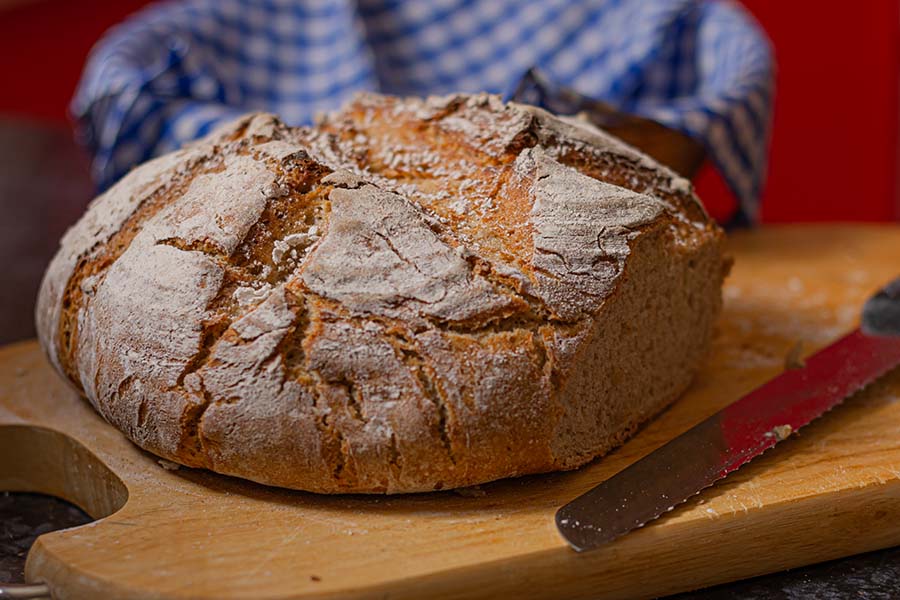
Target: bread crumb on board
(168, 465)
(780, 432)
(794, 357)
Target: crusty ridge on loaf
(410, 295)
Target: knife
(738, 433)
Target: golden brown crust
(412, 295)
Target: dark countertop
(44, 186)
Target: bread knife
(738, 433)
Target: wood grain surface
(831, 491)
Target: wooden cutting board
(831, 491)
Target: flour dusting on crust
(413, 294)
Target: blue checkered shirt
(176, 69)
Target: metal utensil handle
(881, 313)
(24, 591)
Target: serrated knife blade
(738, 433)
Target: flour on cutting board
(777, 323)
(9, 417)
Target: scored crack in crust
(410, 295)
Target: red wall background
(43, 46)
(834, 145)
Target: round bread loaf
(411, 295)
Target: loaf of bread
(411, 295)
